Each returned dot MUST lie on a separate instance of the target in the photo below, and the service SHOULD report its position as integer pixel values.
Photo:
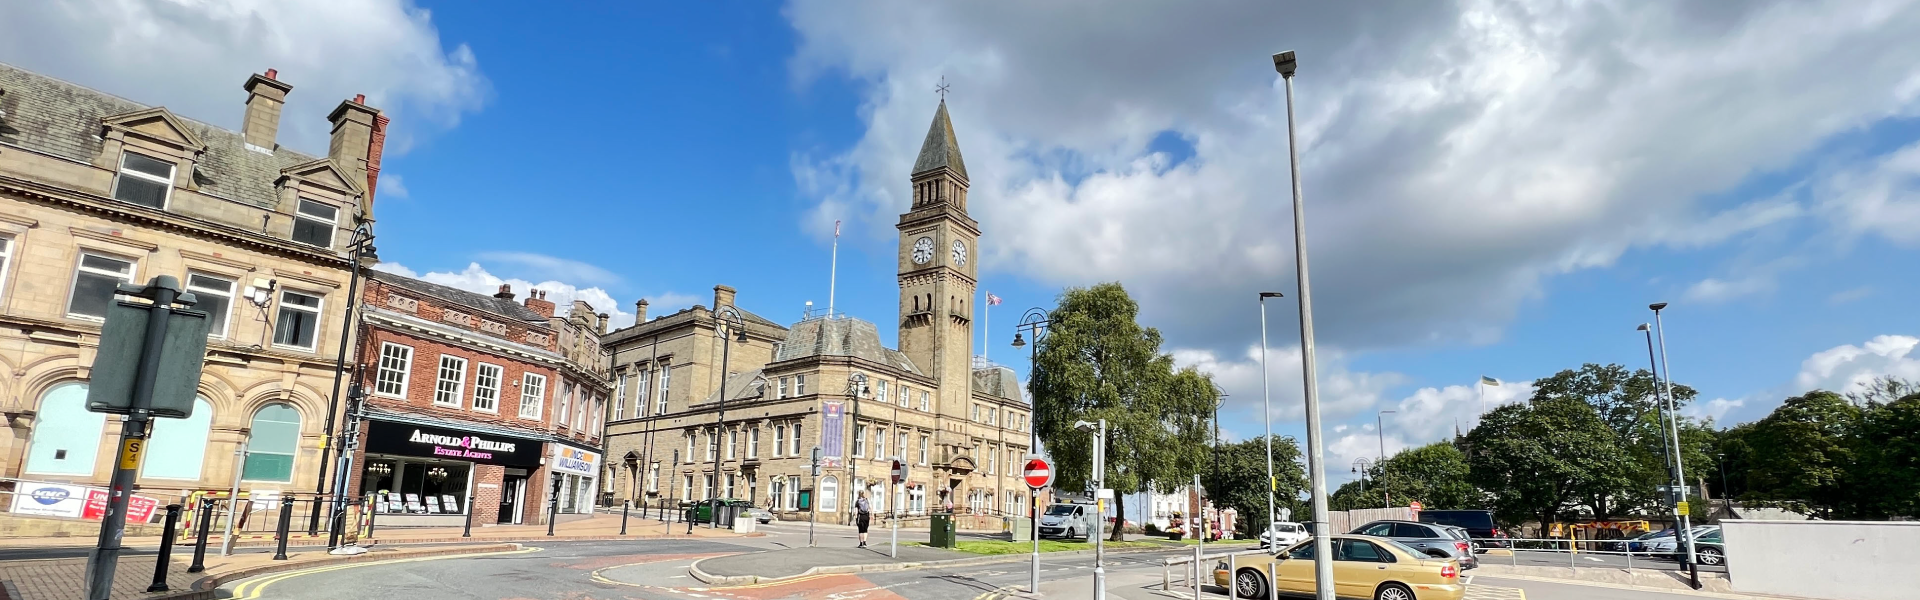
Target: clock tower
(938, 267)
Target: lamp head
(1285, 63)
(1657, 306)
(1017, 341)
(1266, 295)
(1643, 327)
(1086, 426)
(740, 335)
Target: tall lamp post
(1266, 402)
(1380, 428)
(728, 316)
(360, 246)
(1035, 323)
(1679, 453)
(1099, 522)
(857, 388)
(1285, 63)
(1360, 465)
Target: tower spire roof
(940, 149)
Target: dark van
(1478, 523)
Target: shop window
(447, 389)
(274, 441)
(829, 494)
(66, 437)
(486, 388)
(94, 282)
(417, 486)
(178, 447)
(396, 367)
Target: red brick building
(462, 392)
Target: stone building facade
(468, 407)
(97, 190)
(828, 382)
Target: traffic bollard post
(467, 530)
(373, 511)
(285, 530)
(624, 505)
(313, 517)
(200, 544)
(166, 550)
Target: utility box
(942, 534)
(1022, 529)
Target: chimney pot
(273, 74)
(640, 311)
(505, 293)
(537, 302)
(359, 98)
(723, 296)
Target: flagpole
(833, 268)
(986, 328)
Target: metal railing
(1197, 569)
(1575, 548)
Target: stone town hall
(827, 381)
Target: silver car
(1434, 540)
(761, 515)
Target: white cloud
(1715, 291)
(1343, 392)
(1843, 368)
(477, 279)
(1455, 154)
(1845, 296)
(554, 267)
(192, 56)
(392, 187)
(1881, 198)
(1715, 409)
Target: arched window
(829, 494)
(66, 438)
(272, 445)
(179, 446)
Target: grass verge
(989, 548)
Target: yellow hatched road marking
(252, 589)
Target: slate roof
(64, 119)
(498, 306)
(841, 337)
(677, 318)
(998, 381)
(740, 386)
(940, 149)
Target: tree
(1802, 451)
(1538, 461)
(1884, 389)
(1240, 481)
(1887, 470)
(1630, 404)
(1434, 474)
(1097, 362)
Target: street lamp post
(1360, 465)
(1679, 454)
(728, 316)
(1380, 428)
(1035, 323)
(359, 246)
(1266, 402)
(1099, 520)
(1286, 64)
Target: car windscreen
(1470, 519)
(1060, 510)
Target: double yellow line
(253, 588)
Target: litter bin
(942, 534)
(723, 513)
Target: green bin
(942, 534)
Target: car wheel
(1711, 556)
(1250, 583)
(1393, 591)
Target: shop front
(575, 477)
(422, 475)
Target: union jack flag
(992, 300)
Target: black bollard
(313, 517)
(468, 530)
(166, 550)
(200, 546)
(553, 514)
(372, 511)
(623, 515)
(286, 529)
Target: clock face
(922, 250)
(959, 253)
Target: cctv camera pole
(164, 290)
(1286, 64)
(362, 237)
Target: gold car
(1363, 567)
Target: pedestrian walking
(862, 514)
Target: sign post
(813, 505)
(1038, 474)
(139, 343)
(899, 477)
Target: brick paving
(594, 527)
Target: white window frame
(692, 438)
(792, 501)
(173, 169)
(713, 445)
(620, 398)
(653, 476)
(753, 442)
(906, 396)
(319, 311)
(829, 492)
(779, 441)
(7, 243)
(733, 443)
(859, 440)
(800, 385)
(404, 368)
(917, 496)
(796, 440)
(924, 396)
(79, 266)
(560, 415)
(905, 436)
(458, 390)
(882, 390)
(993, 459)
(226, 322)
(666, 388)
(533, 386)
(643, 397)
(783, 389)
(926, 442)
(332, 224)
(479, 376)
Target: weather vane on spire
(942, 88)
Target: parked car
(1431, 539)
(1708, 549)
(1067, 521)
(1627, 545)
(1478, 523)
(1669, 544)
(760, 515)
(1283, 535)
(1363, 567)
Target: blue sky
(1492, 189)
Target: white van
(1069, 521)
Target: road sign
(1415, 505)
(1037, 471)
(899, 470)
(1682, 508)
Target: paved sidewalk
(595, 527)
(1673, 581)
(64, 578)
(775, 564)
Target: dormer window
(143, 180)
(314, 223)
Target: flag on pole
(836, 229)
(1489, 381)
(992, 300)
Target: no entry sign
(1036, 471)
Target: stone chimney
(640, 311)
(505, 293)
(603, 323)
(537, 302)
(265, 96)
(353, 124)
(722, 296)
